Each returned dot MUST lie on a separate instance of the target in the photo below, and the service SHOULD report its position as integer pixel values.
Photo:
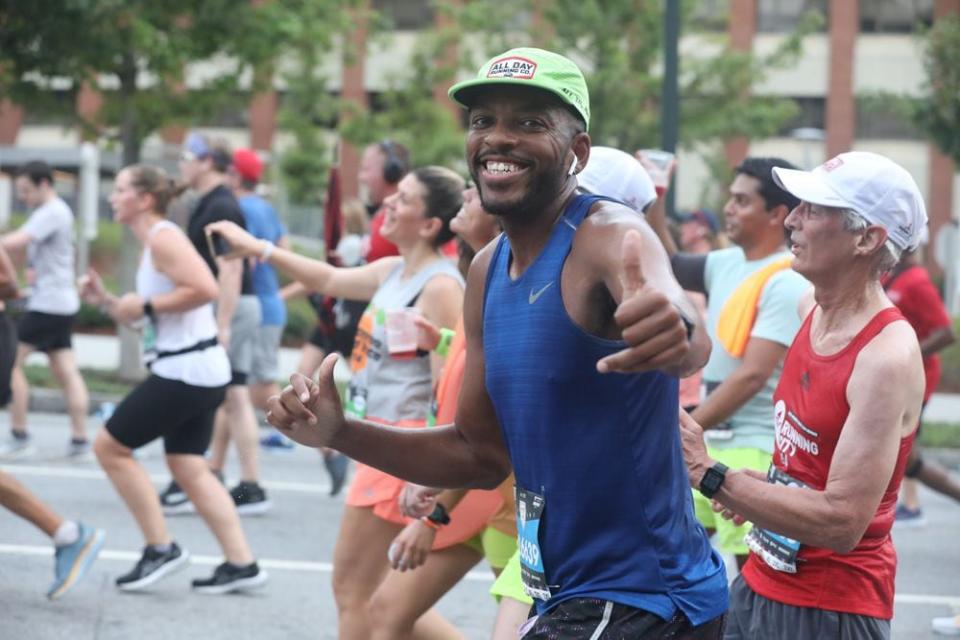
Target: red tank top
(810, 409)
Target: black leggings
(179, 412)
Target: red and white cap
(874, 186)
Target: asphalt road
(294, 542)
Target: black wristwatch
(713, 479)
(148, 309)
(439, 515)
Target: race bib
(148, 342)
(529, 512)
(778, 551)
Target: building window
(878, 120)
(406, 14)
(812, 115)
(781, 16)
(894, 16)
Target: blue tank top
(602, 450)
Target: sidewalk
(103, 352)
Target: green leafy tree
(140, 47)
(308, 31)
(938, 112)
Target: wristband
(267, 251)
(148, 309)
(439, 517)
(443, 346)
(430, 524)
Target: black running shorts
(594, 618)
(46, 331)
(180, 413)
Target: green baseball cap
(533, 68)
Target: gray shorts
(753, 617)
(266, 354)
(243, 335)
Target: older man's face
(818, 241)
(518, 149)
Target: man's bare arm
(760, 359)
(469, 453)
(863, 461)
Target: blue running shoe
(276, 441)
(907, 518)
(73, 560)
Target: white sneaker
(14, 448)
(946, 626)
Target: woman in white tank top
(189, 372)
(384, 389)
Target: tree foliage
(137, 51)
(938, 112)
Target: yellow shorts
(509, 584)
(730, 537)
(496, 546)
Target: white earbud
(573, 166)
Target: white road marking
(266, 563)
(95, 474)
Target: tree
(938, 111)
(618, 44)
(142, 48)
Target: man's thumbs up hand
(651, 325)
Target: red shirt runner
(810, 408)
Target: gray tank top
(383, 388)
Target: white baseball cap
(618, 175)
(874, 186)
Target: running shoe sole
(83, 562)
(242, 584)
(18, 454)
(165, 570)
(178, 509)
(254, 508)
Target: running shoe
(228, 578)
(71, 561)
(276, 442)
(153, 566)
(250, 498)
(78, 449)
(946, 626)
(907, 518)
(17, 446)
(336, 464)
(174, 500)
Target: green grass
(98, 381)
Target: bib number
(778, 551)
(148, 342)
(530, 507)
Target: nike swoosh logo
(535, 295)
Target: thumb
(325, 374)
(630, 252)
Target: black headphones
(394, 167)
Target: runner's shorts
(46, 331)
(8, 356)
(243, 336)
(266, 354)
(180, 413)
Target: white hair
(853, 222)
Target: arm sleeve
(777, 317)
(43, 223)
(689, 269)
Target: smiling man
(576, 331)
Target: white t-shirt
(51, 256)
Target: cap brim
(808, 186)
(465, 93)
